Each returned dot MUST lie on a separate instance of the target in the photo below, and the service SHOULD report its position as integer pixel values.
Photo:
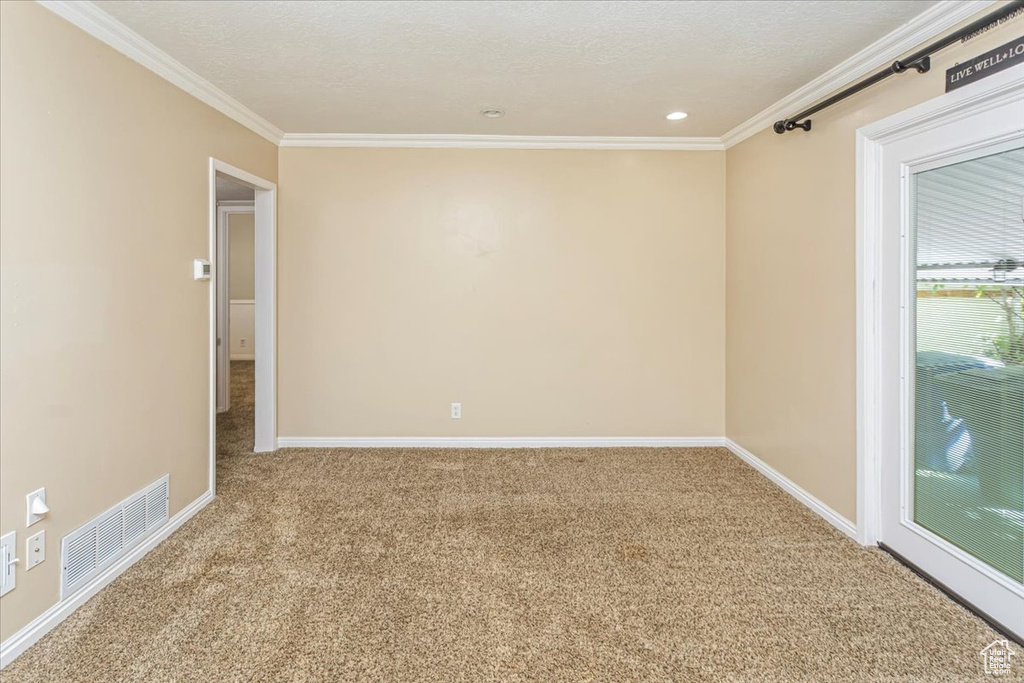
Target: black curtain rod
(920, 60)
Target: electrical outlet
(8, 558)
(456, 411)
(241, 342)
(35, 550)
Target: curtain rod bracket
(781, 127)
(923, 65)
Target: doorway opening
(236, 286)
(242, 303)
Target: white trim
(265, 209)
(867, 258)
(226, 209)
(943, 109)
(499, 141)
(41, 625)
(216, 236)
(100, 25)
(243, 302)
(248, 356)
(500, 441)
(990, 92)
(787, 485)
(930, 23)
(265, 316)
(231, 203)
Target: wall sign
(993, 61)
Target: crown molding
(930, 23)
(100, 25)
(499, 141)
(927, 25)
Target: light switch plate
(201, 269)
(8, 561)
(35, 550)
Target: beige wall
(104, 180)
(242, 255)
(553, 293)
(791, 386)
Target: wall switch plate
(8, 558)
(36, 507)
(35, 550)
(201, 269)
(456, 411)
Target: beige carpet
(511, 565)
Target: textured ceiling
(557, 68)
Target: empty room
(511, 340)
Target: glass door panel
(968, 325)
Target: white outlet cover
(35, 550)
(456, 411)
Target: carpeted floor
(510, 565)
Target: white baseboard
(499, 441)
(41, 625)
(246, 356)
(823, 511)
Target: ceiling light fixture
(493, 113)
(677, 116)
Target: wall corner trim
(432, 141)
(930, 23)
(100, 25)
(41, 625)
(787, 485)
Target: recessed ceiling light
(677, 116)
(493, 113)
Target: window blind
(967, 224)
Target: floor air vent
(90, 549)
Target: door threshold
(951, 594)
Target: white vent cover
(90, 549)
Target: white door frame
(224, 211)
(966, 101)
(888, 152)
(265, 206)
